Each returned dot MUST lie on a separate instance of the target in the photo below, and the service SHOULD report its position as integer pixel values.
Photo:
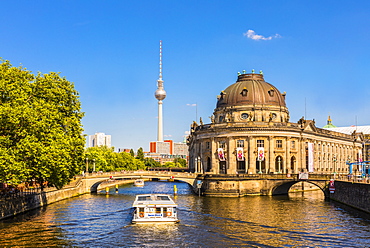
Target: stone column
(214, 159)
(251, 157)
(231, 157)
(270, 165)
(299, 160)
(287, 156)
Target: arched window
(292, 163)
(209, 165)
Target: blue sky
(316, 51)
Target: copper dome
(251, 89)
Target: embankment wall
(13, 206)
(356, 195)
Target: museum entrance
(222, 168)
(240, 167)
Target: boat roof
(153, 200)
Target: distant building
(353, 130)
(99, 139)
(167, 151)
(124, 150)
(163, 147)
(329, 124)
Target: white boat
(154, 208)
(139, 183)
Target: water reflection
(102, 220)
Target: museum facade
(250, 132)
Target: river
(100, 220)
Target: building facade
(250, 132)
(99, 139)
(365, 130)
(167, 151)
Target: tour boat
(139, 183)
(154, 208)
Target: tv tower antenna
(160, 94)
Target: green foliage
(169, 165)
(140, 154)
(132, 153)
(40, 127)
(180, 162)
(151, 162)
(107, 160)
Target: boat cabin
(154, 208)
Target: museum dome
(251, 98)
(251, 89)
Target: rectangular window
(279, 144)
(293, 144)
(240, 143)
(222, 144)
(260, 143)
(208, 145)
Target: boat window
(157, 210)
(143, 198)
(141, 209)
(163, 198)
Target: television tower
(160, 94)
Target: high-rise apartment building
(100, 139)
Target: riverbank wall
(355, 195)
(16, 205)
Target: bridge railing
(139, 173)
(310, 176)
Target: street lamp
(279, 163)
(87, 166)
(94, 165)
(349, 165)
(334, 161)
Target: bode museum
(251, 132)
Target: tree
(180, 162)
(140, 154)
(40, 127)
(132, 153)
(107, 160)
(151, 162)
(169, 165)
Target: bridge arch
(282, 188)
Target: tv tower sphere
(160, 93)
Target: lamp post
(94, 165)
(334, 161)
(279, 163)
(199, 165)
(87, 166)
(349, 165)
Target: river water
(100, 220)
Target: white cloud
(191, 104)
(168, 135)
(252, 35)
(187, 133)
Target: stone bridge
(93, 180)
(258, 184)
(218, 185)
